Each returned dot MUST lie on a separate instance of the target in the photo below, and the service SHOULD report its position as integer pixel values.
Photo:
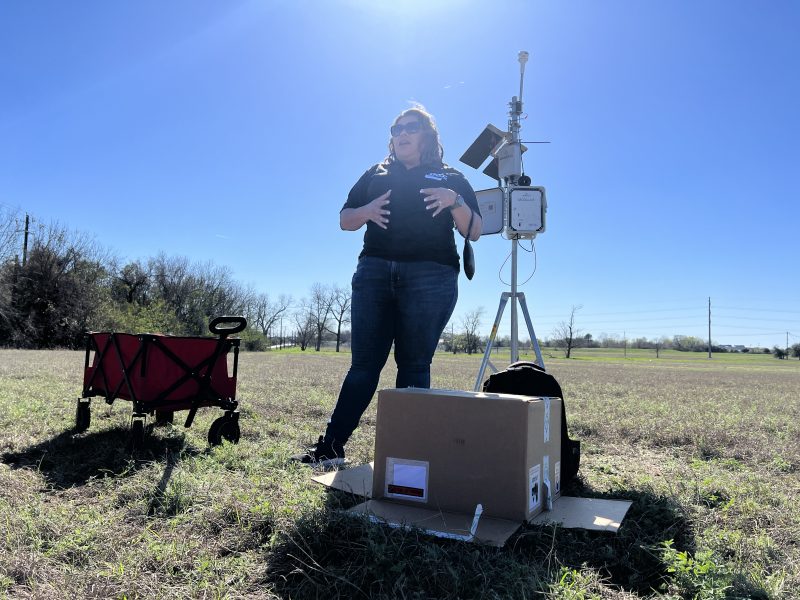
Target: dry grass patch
(707, 452)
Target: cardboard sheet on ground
(596, 514)
(572, 513)
(356, 480)
(450, 525)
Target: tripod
(515, 297)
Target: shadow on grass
(630, 559)
(334, 555)
(71, 459)
(330, 554)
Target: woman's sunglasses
(412, 127)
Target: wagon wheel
(83, 416)
(137, 434)
(224, 428)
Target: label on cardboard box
(534, 479)
(406, 479)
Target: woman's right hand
(376, 212)
(352, 219)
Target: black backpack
(529, 379)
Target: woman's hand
(351, 219)
(376, 212)
(438, 199)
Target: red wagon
(161, 374)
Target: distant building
(732, 348)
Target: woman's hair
(432, 152)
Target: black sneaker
(322, 454)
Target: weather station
(514, 209)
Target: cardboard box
(469, 466)
(449, 451)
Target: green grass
(708, 451)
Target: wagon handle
(239, 324)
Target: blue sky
(232, 131)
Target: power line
(759, 319)
(737, 326)
(632, 312)
(771, 310)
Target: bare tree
(319, 308)
(219, 294)
(661, 343)
(196, 292)
(265, 312)
(10, 234)
(341, 298)
(449, 337)
(172, 281)
(132, 284)
(9, 268)
(53, 296)
(304, 321)
(470, 323)
(566, 334)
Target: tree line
(567, 336)
(57, 284)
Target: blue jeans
(408, 303)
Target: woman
(405, 286)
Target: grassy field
(707, 450)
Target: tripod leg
(503, 301)
(534, 341)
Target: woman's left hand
(438, 199)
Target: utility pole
(709, 327)
(25, 241)
(787, 345)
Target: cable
(535, 262)
(500, 270)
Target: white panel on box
(491, 204)
(527, 206)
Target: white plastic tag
(557, 483)
(534, 479)
(548, 492)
